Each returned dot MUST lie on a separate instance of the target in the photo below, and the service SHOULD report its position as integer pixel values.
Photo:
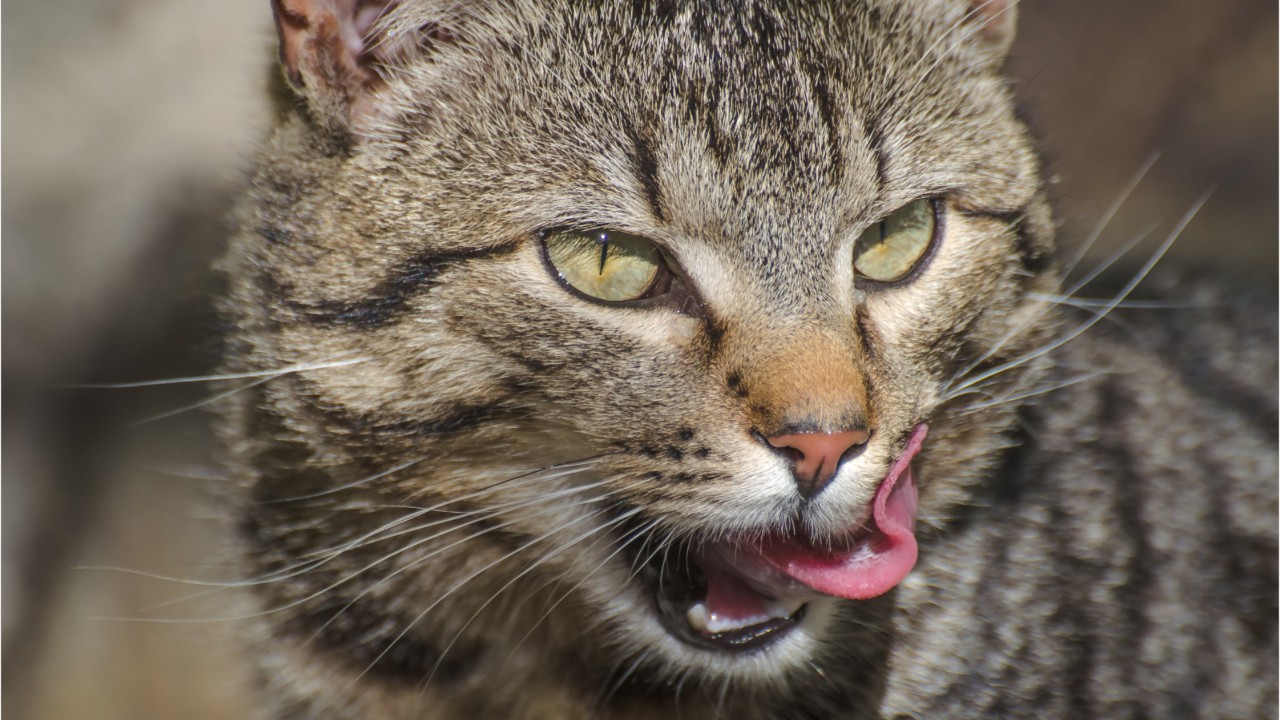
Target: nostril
(789, 453)
(816, 457)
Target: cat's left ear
(329, 51)
(993, 22)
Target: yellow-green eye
(607, 265)
(888, 250)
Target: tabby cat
(667, 359)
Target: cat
(623, 360)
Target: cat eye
(606, 265)
(890, 249)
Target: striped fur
(445, 523)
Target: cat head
(658, 300)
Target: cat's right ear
(329, 52)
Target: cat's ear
(992, 22)
(329, 50)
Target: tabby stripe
(1226, 391)
(1229, 588)
(868, 336)
(355, 638)
(721, 147)
(875, 138)
(1128, 511)
(462, 417)
(273, 235)
(1002, 491)
(827, 111)
(1074, 619)
(391, 296)
(661, 12)
(1034, 257)
(999, 497)
(645, 166)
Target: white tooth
(718, 624)
(711, 623)
(697, 616)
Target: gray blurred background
(129, 126)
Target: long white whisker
(1080, 302)
(346, 578)
(530, 568)
(315, 559)
(617, 684)
(724, 694)
(1110, 212)
(351, 485)
(190, 472)
(637, 565)
(321, 557)
(621, 546)
(448, 593)
(416, 562)
(1102, 312)
(1110, 260)
(304, 367)
(534, 476)
(1015, 331)
(1030, 394)
(942, 37)
(954, 42)
(207, 401)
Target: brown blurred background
(130, 123)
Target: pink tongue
(870, 568)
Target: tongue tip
(865, 577)
(894, 507)
(890, 568)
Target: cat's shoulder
(1200, 347)
(1175, 396)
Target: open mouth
(734, 596)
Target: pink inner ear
(996, 19)
(326, 47)
(301, 21)
(366, 15)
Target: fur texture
(443, 517)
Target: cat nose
(816, 456)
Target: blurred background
(130, 124)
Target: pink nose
(816, 456)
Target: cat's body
(468, 506)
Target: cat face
(707, 437)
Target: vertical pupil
(604, 251)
